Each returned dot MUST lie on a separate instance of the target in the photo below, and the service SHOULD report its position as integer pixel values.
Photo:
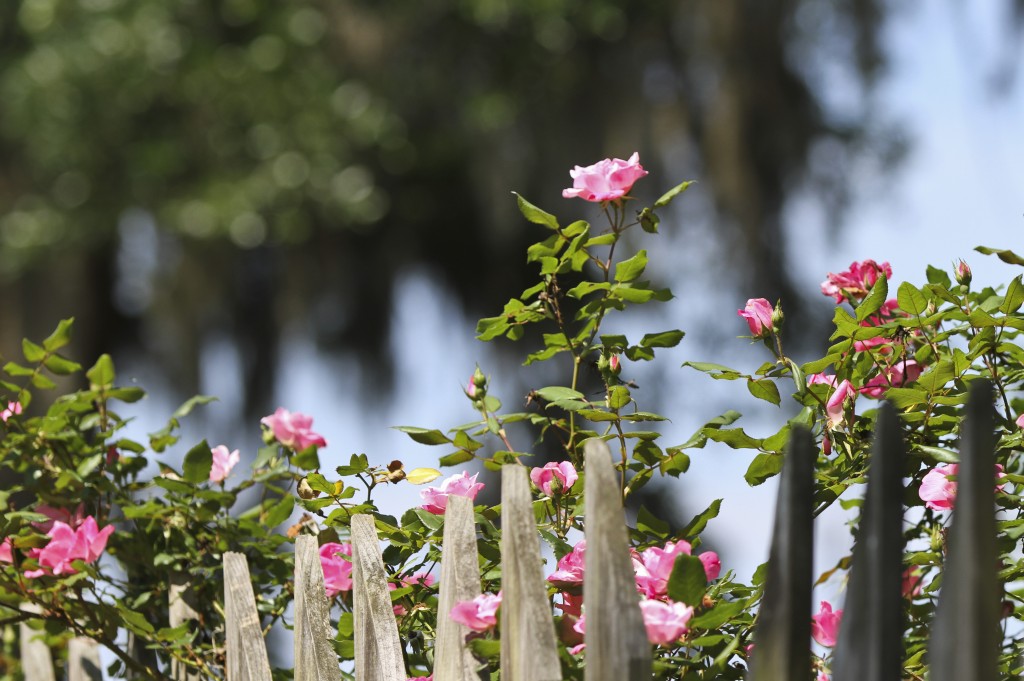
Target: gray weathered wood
(36, 662)
(84, 660)
(378, 648)
(617, 645)
(966, 635)
(180, 611)
(246, 650)
(315, 659)
(783, 630)
(460, 581)
(870, 646)
(528, 646)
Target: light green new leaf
(671, 194)
(628, 270)
(425, 436)
(60, 337)
(910, 298)
(763, 466)
(1014, 296)
(102, 373)
(534, 214)
(873, 303)
(1004, 255)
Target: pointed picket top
(84, 660)
(460, 581)
(246, 650)
(529, 650)
(870, 646)
(966, 634)
(783, 633)
(617, 646)
(315, 659)
(378, 648)
(36, 661)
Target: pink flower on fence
(825, 625)
(554, 478)
(665, 622)
(855, 283)
(337, 570)
(712, 565)
(569, 572)
(459, 485)
(293, 429)
(67, 545)
(606, 180)
(836, 405)
(223, 462)
(479, 614)
(900, 373)
(653, 567)
(758, 314)
(938, 489)
(12, 409)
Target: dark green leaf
(718, 615)
(763, 466)
(1014, 296)
(198, 462)
(280, 512)
(651, 525)
(455, 458)
(191, 403)
(628, 270)
(1004, 255)
(700, 521)
(663, 339)
(688, 581)
(734, 437)
(557, 392)
(425, 436)
(764, 389)
(307, 459)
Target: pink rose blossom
(293, 429)
(712, 565)
(827, 379)
(459, 485)
(606, 180)
(337, 570)
(223, 462)
(653, 567)
(836, 405)
(758, 314)
(12, 409)
(479, 614)
(421, 678)
(67, 516)
(938, 489)
(471, 387)
(7, 550)
(545, 478)
(569, 572)
(1020, 421)
(900, 373)
(822, 676)
(665, 622)
(825, 625)
(853, 285)
(571, 605)
(67, 545)
(912, 578)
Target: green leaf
(939, 454)
(651, 525)
(198, 462)
(902, 398)
(89, 464)
(763, 466)
(556, 392)
(425, 436)
(1004, 255)
(718, 615)
(937, 377)
(101, 374)
(938, 277)
(764, 389)
(597, 415)
(279, 512)
(534, 214)
(668, 196)
(190, 404)
(455, 458)
(910, 298)
(1014, 296)
(618, 397)
(688, 581)
(648, 220)
(307, 459)
(485, 648)
(33, 353)
(61, 365)
(873, 303)
(60, 337)
(734, 437)
(662, 339)
(628, 270)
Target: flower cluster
(293, 430)
(854, 284)
(461, 485)
(86, 543)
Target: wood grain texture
(460, 581)
(528, 646)
(246, 649)
(180, 611)
(617, 645)
(870, 646)
(315, 659)
(36, 661)
(378, 648)
(84, 660)
(966, 635)
(783, 630)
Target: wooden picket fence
(964, 646)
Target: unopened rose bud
(777, 317)
(962, 273)
(477, 386)
(614, 364)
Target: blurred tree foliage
(177, 170)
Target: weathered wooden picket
(966, 633)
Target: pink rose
(1020, 421)
(606, 180)
(938, 489)
(712, 565)
(223, 462)
(7, 550)
(67, 545)
(73, 518)
(545, 478)
(337, 570)
(293, 430)
(570, 567)
(459, 485)
(653, 567)
(421, 678)
(665, 622)
(827, 379)
(758, 314)
(822, 676)
(836, 405)
(825, 625)
(853, 285)
(12, 409)
(571, 605)
(479, 614)
(912, 578)
(904, 371)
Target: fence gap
(460, 581)
(966, 635)
(378, 648)
(246, 650)
(617, 646)
(36, 661)
(315, 659)
(870, 646)
(783, 633)
(180, 611)
(528, 647)
(84, 660)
